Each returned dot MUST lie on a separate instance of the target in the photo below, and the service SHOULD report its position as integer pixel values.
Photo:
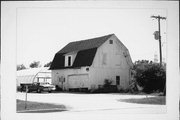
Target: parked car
(38, 87)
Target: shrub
(151, 76)
(107, 87)
(18, 88)
(58, 88)
(107, 83)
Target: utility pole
(158, 37)
(159, 34)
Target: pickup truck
(38, 87)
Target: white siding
(114, 55)
(115, 64)
(98, 75)
(78, 81)
(65, 73)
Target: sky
(41, 32)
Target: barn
(31, 75)
(88, 63)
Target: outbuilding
(88, 63)
(28, 76)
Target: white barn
(87, 63)
(31, 75)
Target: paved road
(93, 106)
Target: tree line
(34, 64)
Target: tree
(48, 64)
(35, 64)
(20, 67)
(151, 76)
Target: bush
(19, 88)
(106, 87)
(151, 76)
(107, 83)
(58, 88)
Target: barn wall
(98, 75)
(113, 64)
(114, 55)
(59, 75)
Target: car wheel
(49, 91)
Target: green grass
(37, 106)
(158, 100)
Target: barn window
(125, 54)
(87, 69)
(69, 60)
(104, 58)
(110, 41)
(117, 80)
(118, 60)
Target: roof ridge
(92, 38)
(85, 44)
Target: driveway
(105, 105)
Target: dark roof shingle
(84, 44)
(84, 58)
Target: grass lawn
(38, 106)
(158, 100)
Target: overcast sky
(41, 32)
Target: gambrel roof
(86, 50)
(84, 44)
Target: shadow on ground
(37, 107)
(157, 100)
(41, 111)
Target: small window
(117, 80)
(104, 58)
(110, 41)
(125, 54)
(69, 61)
(87, 69)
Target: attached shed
(33, 75)
(87, 63)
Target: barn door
(117, 80)
(61, 82)
(77, 81)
